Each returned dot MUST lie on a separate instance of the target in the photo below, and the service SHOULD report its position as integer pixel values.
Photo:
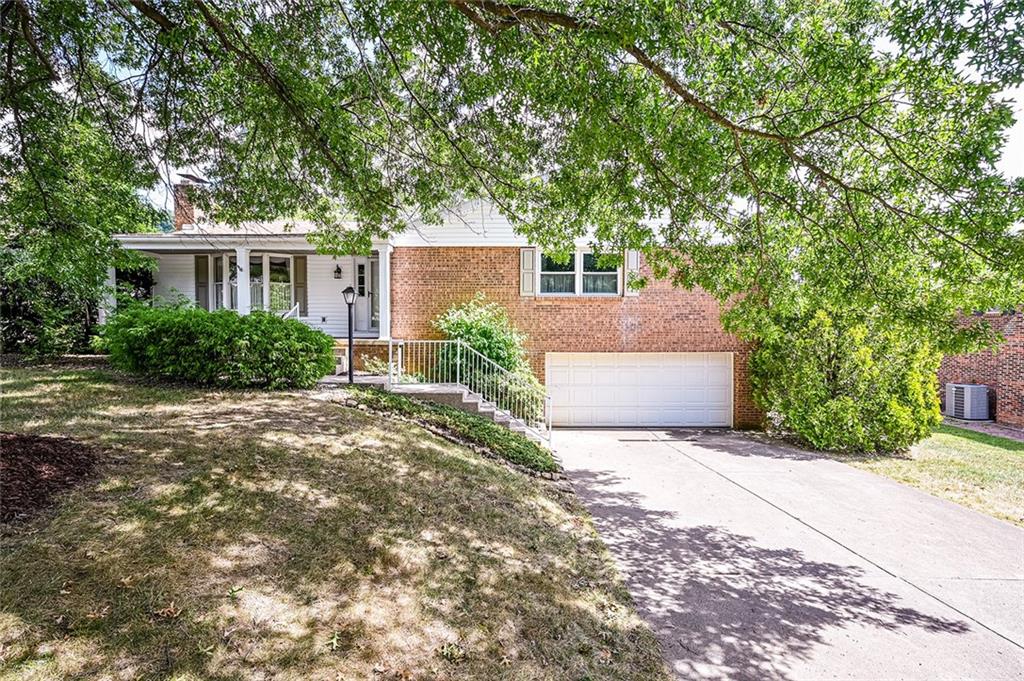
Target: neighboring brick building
(1002, 369)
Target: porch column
(108, 303)
(384, 289)
(211, 294)
(225, 289)
(243, 291)
(266, 282)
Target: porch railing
(294, 312)
(455, 363)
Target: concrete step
(462, 399)
(489, 410)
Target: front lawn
(244, 534)
(979, 471)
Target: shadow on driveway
(726, 608)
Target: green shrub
(847, 385)
(375, 365)
(40, 315)
(485, 327)
(217, 348)
(501, 441)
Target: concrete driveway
(753, 560)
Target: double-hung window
(557, 277)
(599, 279)
(580, 274)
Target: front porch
(285, 277)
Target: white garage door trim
(640, 388)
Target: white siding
(327, 310)
(175, 276)
(474, 223)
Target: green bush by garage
(841, 383)
(221, 348)
(485, 326)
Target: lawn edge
(346, 398)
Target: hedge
(221, 348)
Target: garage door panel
(719, 375)
(637, 389)
(558, 375)
(719, 415)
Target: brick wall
(184, 211)
(1001, 369)
(427, 281)
(362, 349)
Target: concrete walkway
(988, 428)
(753, 560)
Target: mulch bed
(34, 469)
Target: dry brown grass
(260, 535)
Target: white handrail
(292, 312)
(456, 363)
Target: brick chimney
(184, 211)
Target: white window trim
(267, 255)
(578, 279)
(225, 264)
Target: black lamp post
(350, 297)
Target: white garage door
(640, 388)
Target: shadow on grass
(726, 608)
(239, 534)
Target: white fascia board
(177, 241)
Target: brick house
(1002, 369)
(607, 354)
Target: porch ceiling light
(350, 295)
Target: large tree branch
(153, 14)
(524, 15)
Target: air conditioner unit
(966, 401)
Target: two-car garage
(640, 388)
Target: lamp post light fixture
(350, 297)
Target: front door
(367, 307)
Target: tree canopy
(757, 148)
